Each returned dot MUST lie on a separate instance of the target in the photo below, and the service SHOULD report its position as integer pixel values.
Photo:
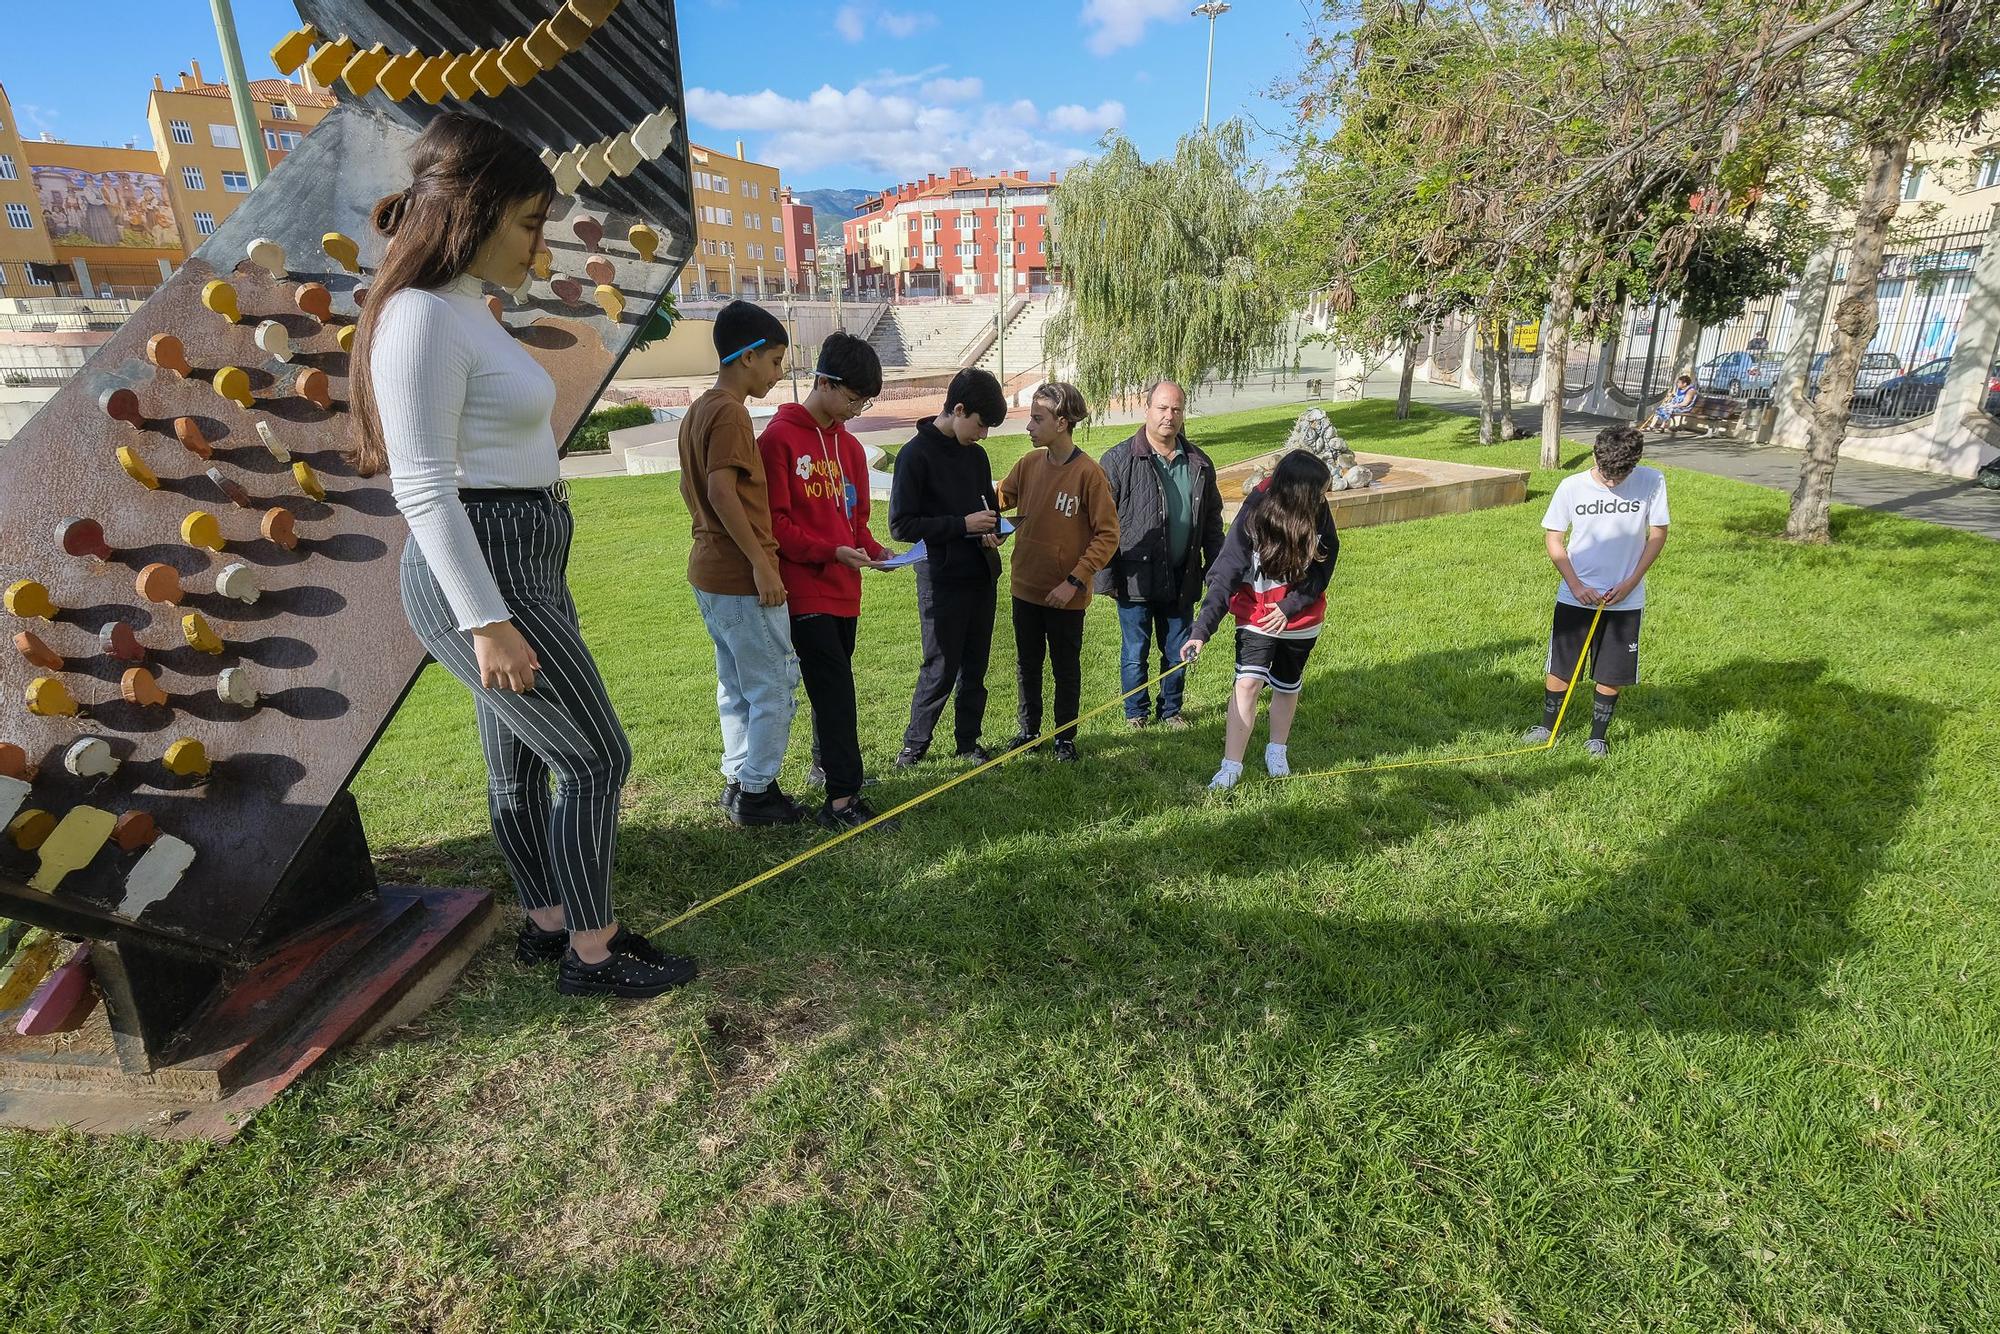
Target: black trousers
(957, 623)
(825, 648)
(1059, 632)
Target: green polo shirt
(1180, 503)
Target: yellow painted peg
(35, 957)
(543, 48)
(644, 240)
(428, 81)
(365, 68)
(545, 264)
(458, 75)
(135, 468)
(569, 28)
(233, 383)
(49, 698)
(220, 297)
(308, 480)
(30, 600)
(345, 337)
(611, 300)
(394, 79)
(187, 758)
(194, 627)
(272, 444)
(202, 529)
(71, 844)
(487, 75)
(516, 64)
(291, 53)
(268, 255)
(326, 63)
(341, 249)
(31, 828)
(594, 12)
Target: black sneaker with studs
(974, 753)
(1020, 739)
(769, 807)
(627, 975)
(731, 794)
(1066, 751)
(532, 945)
(910, 756)
(853, 815)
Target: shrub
(593, 437)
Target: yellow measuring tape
(792, 863)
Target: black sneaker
(975, 753)
(771, 806)
(1066, 751)
(856, 813)
(1021, 739)
(624, 975)
(532, 945)
(910, 756)
(731, 793)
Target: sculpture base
(344, 983)
(1404, 488)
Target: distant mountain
(831, 208)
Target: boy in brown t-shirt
(733, 566)
(1066, 530)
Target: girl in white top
(458, 412)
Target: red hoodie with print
(818, 478)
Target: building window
(752, 221)
(192, 178)
(931, 253)
(1913, 181)
(778, 253)
(1041, 247)
(721, 185)
(19, 218)
(205, 223)
(725, 217)
(3, 277)
(236, 182)
(809, 256)
(1989, 169)
(223, 136)
(182, 131)
(281, 140)
(966, 222)
(1020, 247)
(282, 111)
(7, 172)
(777, 223)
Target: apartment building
(741, 246)
(201, 152)
(23, 238)
(953, 235)
(801, 243)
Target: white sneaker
(1225, 778)
(1275, 762)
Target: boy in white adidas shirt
(1616, 519)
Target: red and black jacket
(1236, 583)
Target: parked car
(1913, 395)
(1738, 374)
(1876, 368)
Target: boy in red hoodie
(819, 513)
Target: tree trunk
(1409, 374)
(1687, 342)
(1855, 319)
(1483, 345)
(1503, 361)
(1555, 359)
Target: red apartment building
(947, 236)
(801, 245)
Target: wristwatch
(1074, 582)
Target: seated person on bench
(1674, 408)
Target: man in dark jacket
(1169, 532)
(942, 495)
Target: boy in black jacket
(942, 496)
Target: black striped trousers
(558, 846)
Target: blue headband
(741, 350)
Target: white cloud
(1107, 115)
(1115, 24)
(904, 25)
(955, 90)
(890, 136)
(849, 21)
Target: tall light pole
(1213, 9)
(1001, 251)
(255, 163)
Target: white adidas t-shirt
(1607, 529)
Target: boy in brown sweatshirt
(1067, 528)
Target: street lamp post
(1213, 9)
(254, 162)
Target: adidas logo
(1611, 507)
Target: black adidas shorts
(1278, 663)
(1614, 658)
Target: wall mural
(108, 208)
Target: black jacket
(936, 483)
(1236, 584)
(1140, 571)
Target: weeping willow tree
(1163, 266)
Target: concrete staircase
(1023, 341)
(931, 336)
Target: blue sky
(854, 93)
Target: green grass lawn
(1701, 1038)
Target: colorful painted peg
(31, 828)
(315, 300)
(14, 763)
(234, 686)
(593, 165)
(160, 583)
(394, 80)
(516, 64)
(187, 758)
(487, 75)
(280, 528)
(200, 638)
(611, 301)
(50, 698)
(122, 405)
(268, 255)
(624, 155)
(543, 48)
(274, 340)
(188, 431)
(313, 386)
(68, 994)
(156, 875)
(545, 264)
(594, 12)
(601, 270)
(233, 491)
(30, 601)
(135, 468)
(139, 686)
(291, 53)
(341, 250)
(644, 240)
(568, 290)
(361, 72)
(589, 231)
(204, 530)
(118, 641)
(91, 757)
(359, 296)
(134, 830)
(165, 351)
(220, 297)
(33, 959)
(30, 646)
(345, 337)
(14, 793)
(83, 537)
(308, 480)
(238, 581)
(326, 63)
(233, 383)
(654, 135)
(276, 447)
(428, 81)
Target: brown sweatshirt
(1067, 525)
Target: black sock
(1552, 702)
(1601, 710)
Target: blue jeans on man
(756, 675)
(1141, 624)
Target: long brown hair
(1283, 528)
(466, 174)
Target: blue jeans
(1141, 623)
(756, 674)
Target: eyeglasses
(861, 404)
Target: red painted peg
(83, 537)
